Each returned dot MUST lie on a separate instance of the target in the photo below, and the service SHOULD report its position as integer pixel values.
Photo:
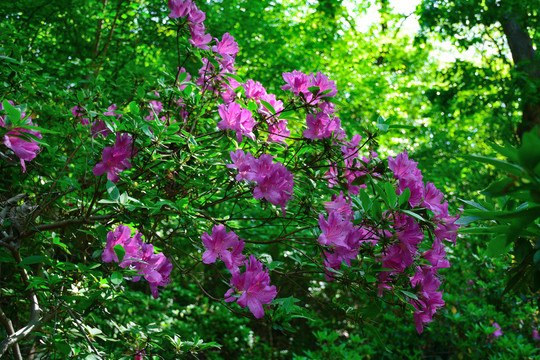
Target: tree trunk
(525, 60)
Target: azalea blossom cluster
(23, 146)
(316, 90)
(139, 256)
(251, 288)
(233, 115)
(115, 159)
(343, 241)
(445, 228)
(274, 182)
(341, 238)
(403, 235)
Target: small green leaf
(390, 194)
(235, 77)
(112, 190)
(117, 277)
(268, 106)
(409, 294)
(133, 108)
(382, 127)
(404, 198)
(13, 113)
(414, 215)
(119, 251)
(123, 198)
(181, 77)
(187, 91)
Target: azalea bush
(197, 187)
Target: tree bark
(525, 59)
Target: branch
(10, 331)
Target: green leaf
(507, 151)
(414, 215)
(409, 294)
(497, 246)
(499, 164)
(119, 251)
(35, 259)
(133, 108)
(38, 128)
(117, 277)
(466, 220)
(529, 151)
(268, 106)
(474, 204)
(404, 198)
(181, 77)
(123, 198)
(390, 194)
(13, 113)
(112, 190)
(499, 187)
(382, 127)
(235, 77)
(187, 91)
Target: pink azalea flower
(236, 118)
(78, 112)
(179, 8)
(409, 177)
(226, 47)
(224, 245)
(335, 230)
(433, 199)
(155, 268)
(206, 73)
(274, 182)
(254, 90)
(321, 126)
(340, 205)
(276, 104)
(196, 16)
(187, 79)
(26, 149)
(429, 298)
(401, 254)
(297, 82)
(276, 186)
(155, 107)
(331, 175)
(198, 37)
(99, 128)
(497, 333)
(350, 149)
(535, 334)
(278, 131)
(436, 255)
(115, 159)
(242, 162)
(111, 111)
(324, 84)
(253, 286)
(131, 245)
